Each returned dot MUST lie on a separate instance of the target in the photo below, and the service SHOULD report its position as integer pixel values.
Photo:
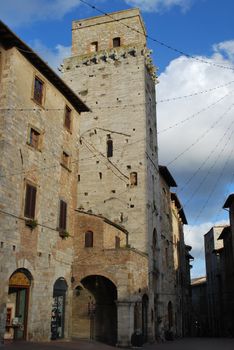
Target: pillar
(125, 311)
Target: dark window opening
(63, 215)
(100, 176)
(94, 46)
(133, 179)
(67, 119)
(116, 42)
(34, 138)
(109, 144)
(89, 239)
(38, 90)
(30, 201)
(117, 242)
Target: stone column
(125, 311)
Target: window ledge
(38, 103)
(32, 147)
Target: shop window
(94, 46)
(88, 239)
(38, 90)
(30, 201)
(116, 42)
(67, 118)
(63, 216)
(34, 138)
(109, 147)
(133, 179)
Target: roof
(225, 232)
(165, 173)
(119, 227)
(175, 198)
(229, 201)
(198, 280)
(10, 39)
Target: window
(63, 215)
(88, 239)
(38, 90)
(116, 42)
(109, 148)
(151, 138)
(30, 201)
(65, 160)
(67, 118)
(94, 46)
(133, 179)
(117, 242)
(34, 138)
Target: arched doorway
(95, 310)
(145, 304)
(58, 309)
(17, 305)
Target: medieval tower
(111, 69)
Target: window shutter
(63, 215)
(30, 201)
(89, 239)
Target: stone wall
(41, 251)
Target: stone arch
(94, 309)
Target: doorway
(58, 309)
(17, 305)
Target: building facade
(92, 239)
(213, 273)
(39, 123)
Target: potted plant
(64, 234)
(32, 223)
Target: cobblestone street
(183, 344)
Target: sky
(195, 106)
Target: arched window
(116, 42)
(94, 46)
(88, 239)
(109, 147)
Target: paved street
(183, 344)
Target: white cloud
(226, 48)
(159, 5)
(19, 12)
(53, 56)
(208, 136)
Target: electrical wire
(153, 39)
(206, 159)
(194, 114)
(198, 139)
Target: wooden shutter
(89, 239)
(63, 215)
(30, 201)
(117, 242)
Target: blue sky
(195, 133)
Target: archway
(58, 309)
(145, 304)
(95, 310)
(17, 305)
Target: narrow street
(182, 344)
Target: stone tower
(111, 69)
(118, 177)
